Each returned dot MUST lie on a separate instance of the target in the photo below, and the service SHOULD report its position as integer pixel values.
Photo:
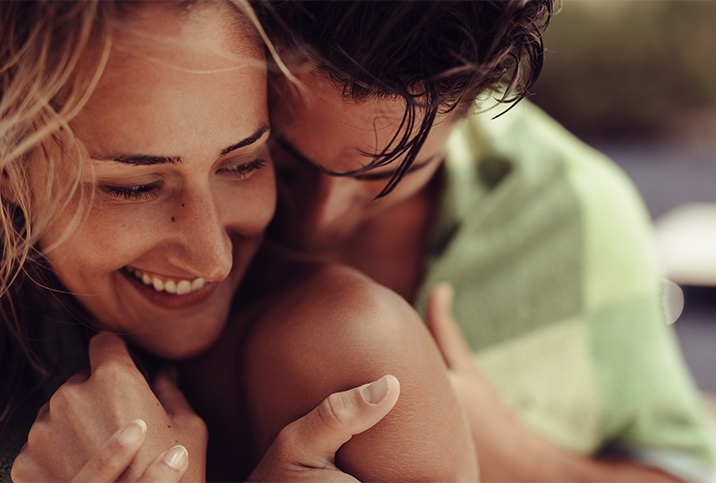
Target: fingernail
(177, 457)
(375, 392)
(133, 433)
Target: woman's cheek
(107, 240)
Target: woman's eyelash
(149, 191)
(132, 193)
(243, 171)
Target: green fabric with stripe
(557, 291)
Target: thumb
(166, 390)
(313, 440)
(445, 330)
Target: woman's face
(183, 187)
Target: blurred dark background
(637, 80)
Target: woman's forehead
(179, 86)
(211, 38)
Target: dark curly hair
(437, 55)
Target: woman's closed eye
(134, 192)
(148, 191)
(244, 171)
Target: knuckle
(195, 426)
(36, 435)
(286, 444)
(334, 411)
(198, 426)
(25, 468)
(62, 400)
(114, 373)
(19, 471)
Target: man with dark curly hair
(387, 161)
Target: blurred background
(637, 80)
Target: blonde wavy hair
(52, 55)
(49, 65)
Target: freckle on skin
(182, 205)
(173, 219)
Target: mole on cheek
(173, 219)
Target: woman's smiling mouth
(169, 285)
(171, 293)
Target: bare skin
(335, 218)
(303, 451)
(75, 419)
(326, 329)
(334, 329)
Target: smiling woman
(144, 170)
(136, 188)
(124, 162)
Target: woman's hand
(113, 458)
(78, 433)
(71, 439)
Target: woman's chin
(175, 348)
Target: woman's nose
(203, 246)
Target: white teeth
(170, 286)
(183, 287)
(158, 284)
(179, 287)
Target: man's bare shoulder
(340, 312)
(338, 329)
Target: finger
(169, 466)
(109, 349)
(445, 331)
(79, 377)
(42, 413)
(115, 455)
(25, 468)
(314, 439)
(169, 395)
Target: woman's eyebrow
(145, 160)
(149, 160)
(248, 141)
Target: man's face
(319, 131)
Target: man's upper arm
(338, 330)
